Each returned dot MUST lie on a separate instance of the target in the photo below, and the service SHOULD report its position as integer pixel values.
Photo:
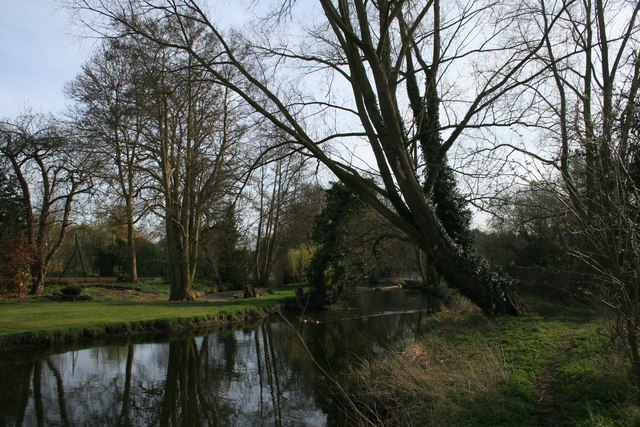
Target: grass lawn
(38, 320)
(554, 367)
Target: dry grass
(427, 382)
(459, 304)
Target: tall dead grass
(430, 381)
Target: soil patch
(101, 293)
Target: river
(256, 375)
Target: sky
(38, 55)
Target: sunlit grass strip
(44, 322)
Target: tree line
(148, 139)
(471, 102)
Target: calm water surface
(254, 376)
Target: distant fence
(101, 279)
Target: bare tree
(277, 182)
(52, 170)
(362, 50)
(191, 138)
(590, 119)
(110, 112)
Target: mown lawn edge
(42, 325)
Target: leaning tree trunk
(463, 269)
(472, 276)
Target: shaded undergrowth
(552, 367)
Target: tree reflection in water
(181, 404)
(253, 376)
(60, 386)
(124, 420)
(14, 392)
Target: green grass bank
(553, 367)
(41, 322)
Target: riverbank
(552, 367)
(41, 323)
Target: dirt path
(220, 296)
(547, 411)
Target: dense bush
(15, 260)
(71, 290)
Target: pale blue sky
(37, 56)
(39, 53)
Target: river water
(272, 373)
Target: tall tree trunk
(131, 244)
(178, 270)
(38, 272)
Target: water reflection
(259, 376)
